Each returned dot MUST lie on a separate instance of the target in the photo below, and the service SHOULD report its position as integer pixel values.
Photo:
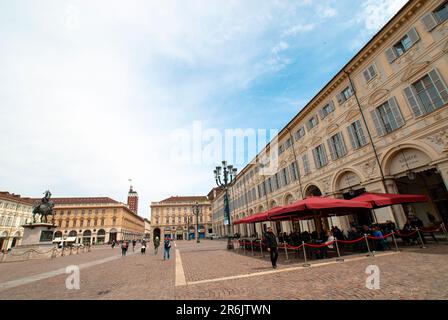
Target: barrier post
(444, 230)
(420, 237)
(252, 247)
(306, 264)
(368, 247)
(286, 252)
(261, 249)
(244, 247)
(337, 250)
(395, 240)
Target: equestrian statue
(44, 208)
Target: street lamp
(228, 177)
(196, 212)
(188, 227)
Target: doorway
(430, 183)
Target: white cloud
(299, 28)
(326, 12)
(376, 13)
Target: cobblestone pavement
(411, 274)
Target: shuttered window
(370, 73)
(337, 146)
(278, 182)
(288, 143)
(387, 117)
(402, 46)
(356, 134)
(427, 94)
(320, 156)
(326, 110)
(294, 174)
(438, 16)
(285, 177)
(312, 122)
(345, 94)
(300, 133)
(281, 149)
(306, 164)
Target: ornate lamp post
(188, 227)
(228, 177)
(196, 212)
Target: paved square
(208, 271)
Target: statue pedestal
(37, 243)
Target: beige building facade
(174, 217)
(15, 211)
(380, 125)
(96, 220)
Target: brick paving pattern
(411, 274)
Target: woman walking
(156, 244)
(167, 248)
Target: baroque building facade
(95, 220)
(174, 217)
(380, 125)
(15, 211)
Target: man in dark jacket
(271, 243)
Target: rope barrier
(351, 241)
(379, 238)
(319, 245)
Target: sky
(94, 93)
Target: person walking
(167, 248)
(124, 248)
(143, 248)
(113, 244)
(156, 245)
(133, 245)
(271, 243)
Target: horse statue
(44, 208)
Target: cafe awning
(379, 200)
(324, 205)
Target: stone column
(443, 170)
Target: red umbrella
(262, 216)
(379, 200)
(324, 204)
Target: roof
(15, 197)
(82, 200)
(185, 199)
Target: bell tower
(132, 199)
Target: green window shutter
(439, 84)
(391, 55)
(333, 154)
(351, 134)
(331, 103)
(396, 112)
(322, 114)
(343, 147)
(379, 127)
(413, 35)
(316, 160)
(324, 154)
(366, 75)
(430, 21)
(413, 101)
(361, 135)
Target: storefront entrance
(430, 183)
